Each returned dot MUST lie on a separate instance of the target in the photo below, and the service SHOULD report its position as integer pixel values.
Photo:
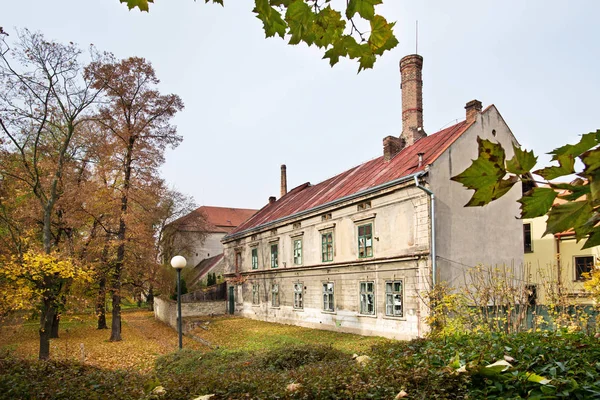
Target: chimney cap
(474, 104)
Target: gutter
(432, 219)
(353, 196)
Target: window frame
(579, 272)
(275, 295)
(391, 295)
(275, 255)
(254, 257)
(256, 294)
(297, 258)
(298, 296)
(367, 293)
(365, 236)
(326, 245)
(527, 247)
(328, 297)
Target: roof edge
(231, 237)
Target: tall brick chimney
(283, 180)
(473, 108)
(411, 67)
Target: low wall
(165, 310)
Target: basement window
(297, 225)
(275, 295)
(328, 297)
(367, 298)
(255, 294)
(298, 296)
(326, 217)
(394, 301)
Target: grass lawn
(250, 359)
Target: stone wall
(166, 310)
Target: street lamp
(179, 263)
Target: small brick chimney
(411, 67)
(473, 109)
(391, 146)
(283, 180)
(272, 199)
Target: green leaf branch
(572, 207)
(316, 23)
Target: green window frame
(365, 241)
(328, 296)
(327, 246)
(394, 298)
(274, 255)
(255, 258)
(298, 252)
(367, 298)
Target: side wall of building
(467, 236)
(197, 246)
(400, 254)
(547, 266)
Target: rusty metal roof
(362, 177)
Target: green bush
(292, 357)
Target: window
(326, 217)
(297, 225)
(275, 295)
(255, 294)
(363, 206)
(365, 241)
(527, 238)
(328, 296)
(274, 255)
(255, 258)
(298, 252)
(298, 292)
(238, 261)
(367, 298)
(583, 265)
(327, 246)
(393, 299)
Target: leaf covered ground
(257, 360)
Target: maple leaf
(141, 4)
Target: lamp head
(178, 262)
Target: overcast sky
(253, 104)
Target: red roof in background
(220, 219)
(365, 176)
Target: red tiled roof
(213, 219)
(365, 176)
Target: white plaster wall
(197, 246)
(466, 236)
(166, 310)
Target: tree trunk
(116, 284)
(46, 327)
(55, 324)
(150, 298)
(101, 303)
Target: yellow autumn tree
(24, 280)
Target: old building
(198, 236)
(355, 252)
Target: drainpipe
(432, 219)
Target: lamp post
(179, 263)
